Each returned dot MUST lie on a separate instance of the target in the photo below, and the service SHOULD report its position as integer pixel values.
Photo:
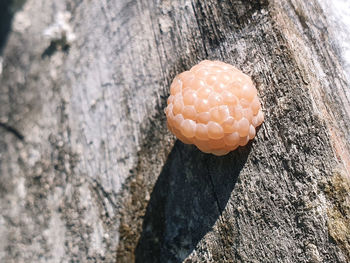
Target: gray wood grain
(89, 172)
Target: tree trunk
(90, 173)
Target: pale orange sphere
(214, 106)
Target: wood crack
(12, 130)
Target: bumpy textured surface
(213, 106)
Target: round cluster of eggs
(213, 106)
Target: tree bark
(89, 172)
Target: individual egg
(214, 106)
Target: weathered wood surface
(89, 172)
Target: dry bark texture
(89, 172)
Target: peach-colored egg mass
(213, 106)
